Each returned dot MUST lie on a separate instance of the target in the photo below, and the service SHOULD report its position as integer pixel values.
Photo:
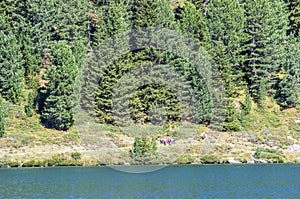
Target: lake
(191, 181)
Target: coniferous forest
(44, 45)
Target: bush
(63, 160)
(210, 159)
(29, 108)
(76, 155)
(269, 154)
(144, 146)
(14, 164)
(3, 162)
(33, 163)
(185, 159)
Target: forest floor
(268, 136)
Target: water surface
(193, 181)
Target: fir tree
(109, 42)
(2, 118)
(225, 26)
(266, 25)
(57, 111)
(288, 87)
(11, 69)
(191, 22)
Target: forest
(44, 46)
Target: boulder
(262, 161)
(231, 160)
(251, 161)
(294, 148)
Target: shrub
(210, 159)
(269, 154)
(3, 162)
(76, 155)
(14, 164)
(185, 159)
(33, 163)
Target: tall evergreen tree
(287, 93)
(2, 118)
(47, 22)
(57, 111)
(11, 69)
(109, 42)
(225, 20)
(266, 25)
(191, 22)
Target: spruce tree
(109, 42)
(265, 28)
(11, 69)
(225, 25)
(2, 118)
(191, 22)
(288, 88)
(57, 110)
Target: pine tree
(266, 25)
(57, 111)
(109, 42)
(288, 87)
(2, 118)
(191, 22)
(225, 26)
(47, 22)
(11, 69)
(151, 14)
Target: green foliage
(247, 41)
(57, 108)
(288, 87)
(225, 22)
(191, 22)
(225, 26)
(33, 163)
(270, 154)
(262, 47)
(143, 147)
(3, 162)
(11, 69)
(29, 108)
(210, 159)
(294, 17)
(76, 155)
(185, 159)
(14, 164)
(2, 118)
(62, 160)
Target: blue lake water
(193, 181)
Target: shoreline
(70, 164)
(167, 165)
